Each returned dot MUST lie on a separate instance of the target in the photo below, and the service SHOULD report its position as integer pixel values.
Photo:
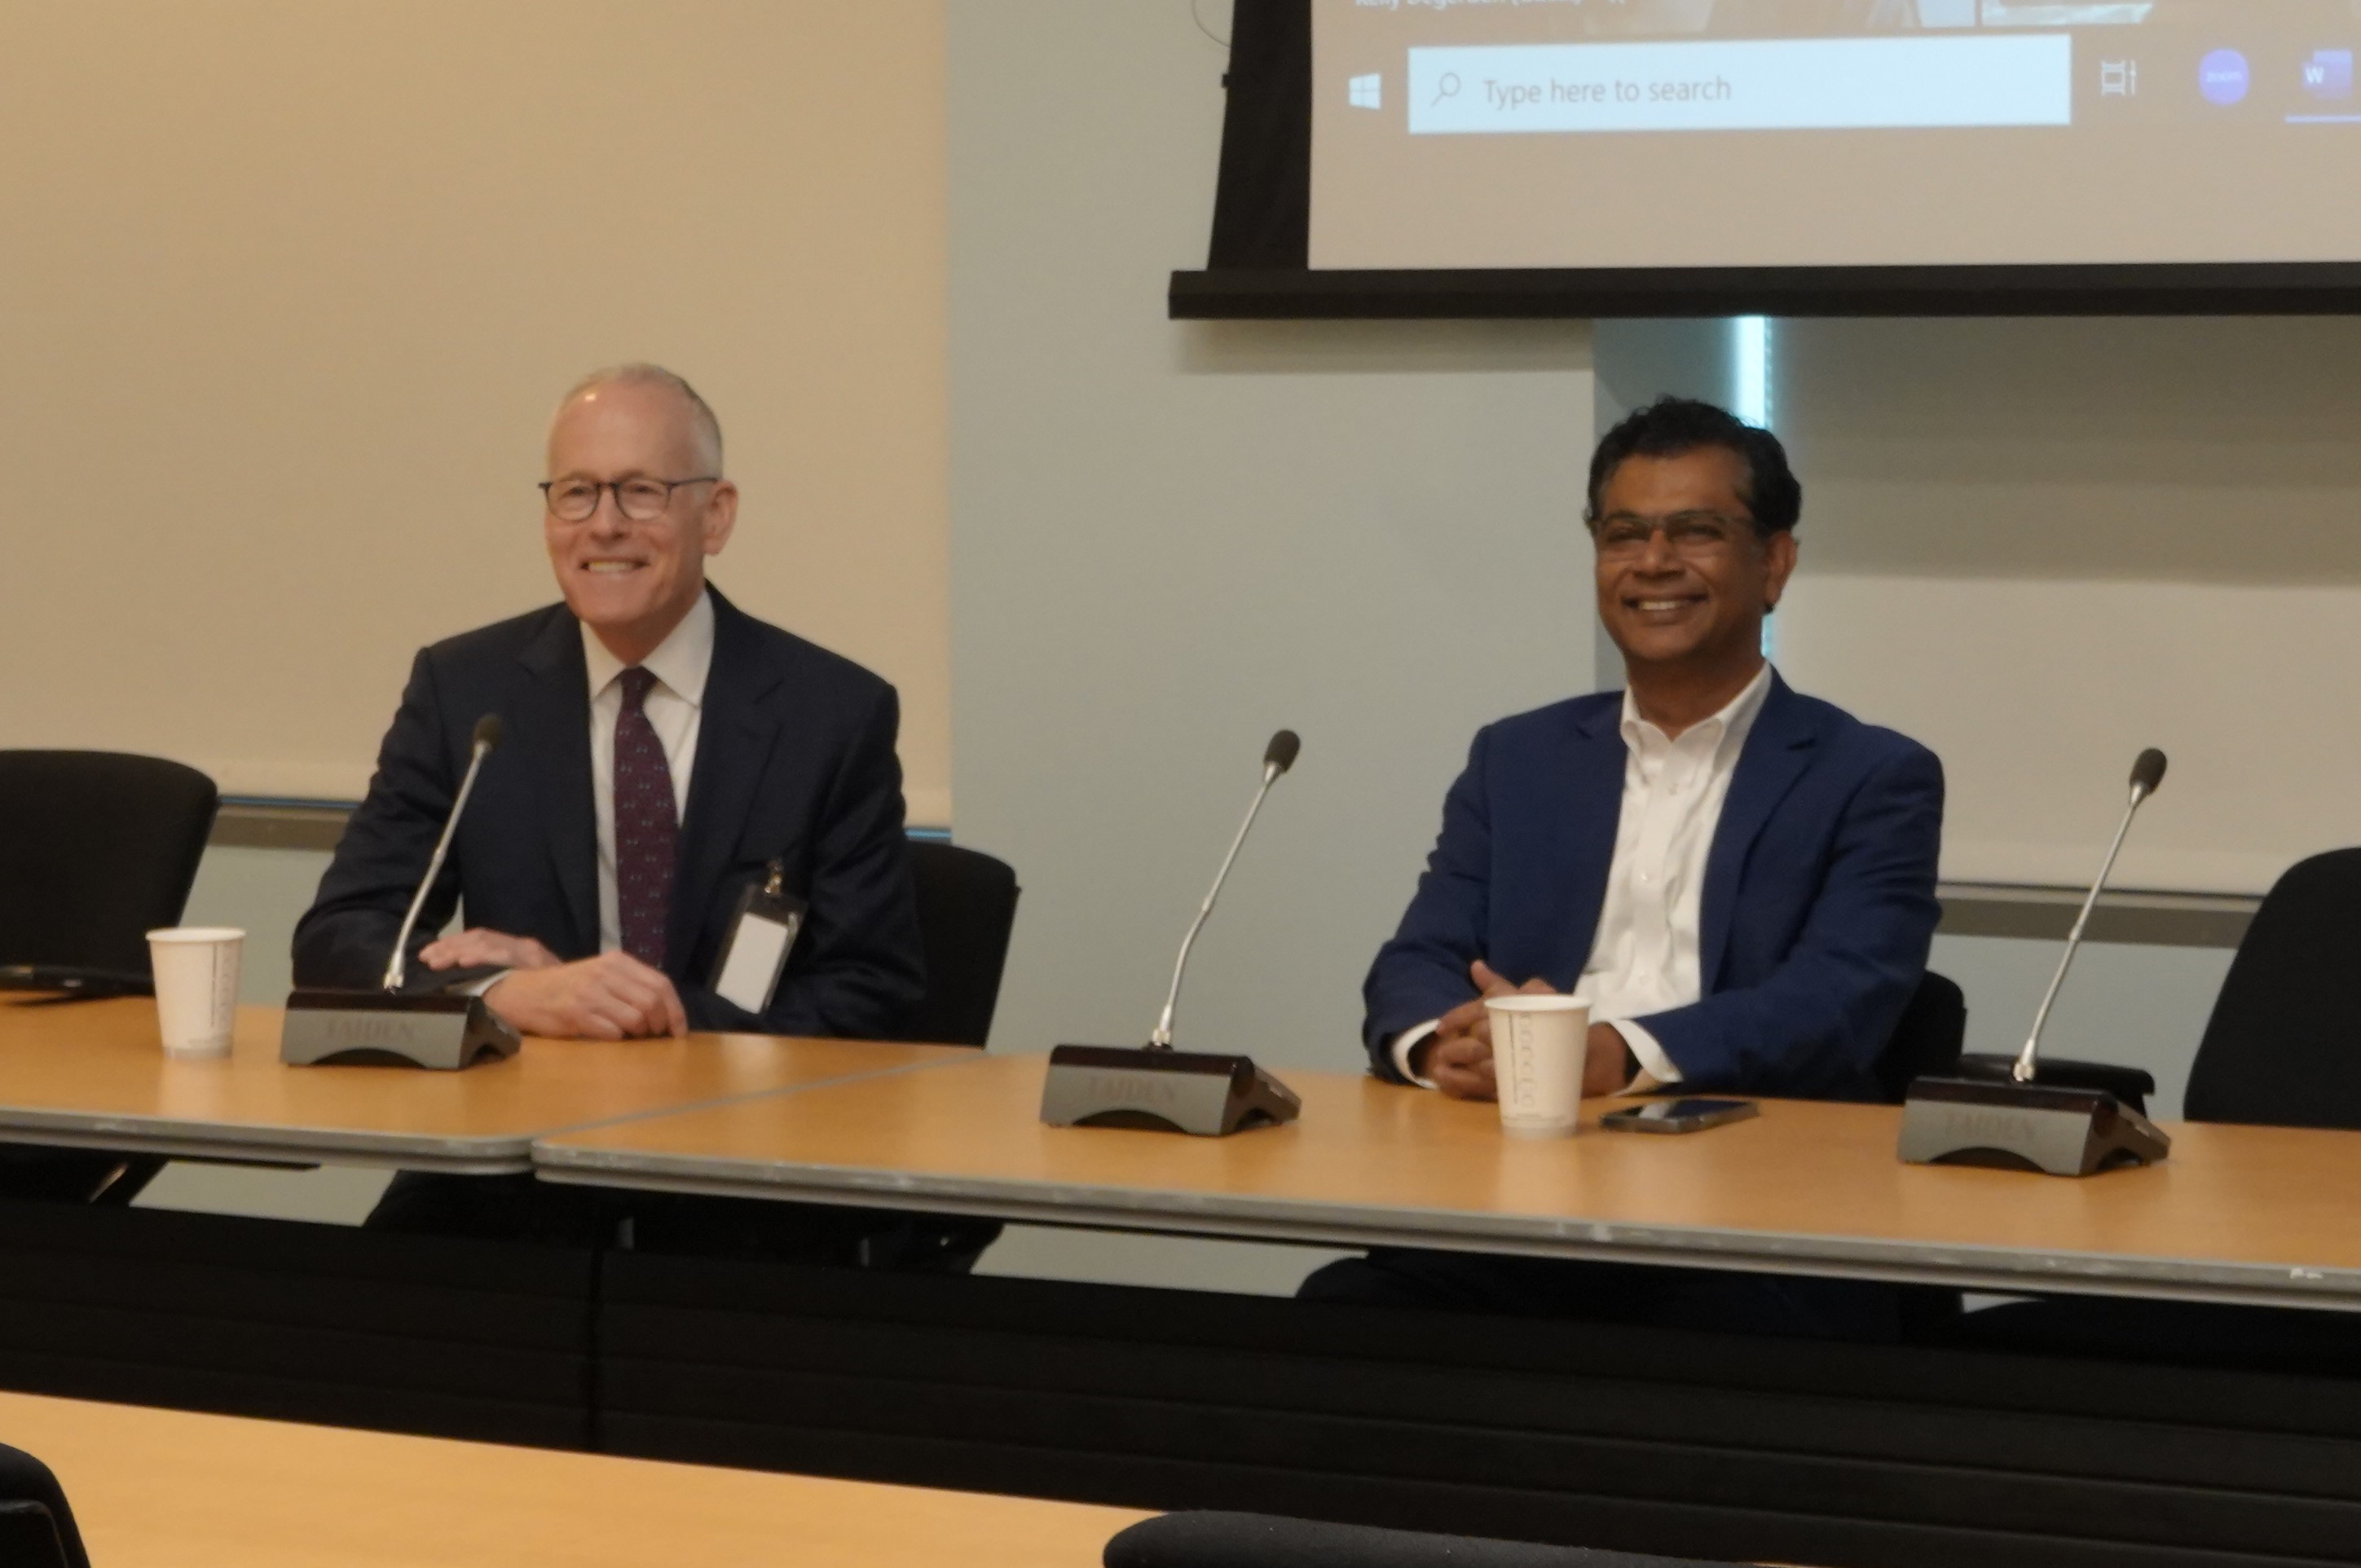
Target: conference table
(168, 1489)
(94, 1074)
(1667, 1440)
(2237, 1214)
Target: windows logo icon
(1366, 91)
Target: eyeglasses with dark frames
(1692, 534)
(639, 500)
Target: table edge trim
(1971, 1266)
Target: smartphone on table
(1685, 1115)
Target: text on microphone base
(1154, 1089)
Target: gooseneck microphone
(1277, 757)
(2146, 774)
(1154, 1088)
(336, 1026)
(2015, 1122)
(488, 737)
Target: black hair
(1672, 427)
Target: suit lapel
(1778, 750)
(1581, 825)
(554, 720)
(735, 730)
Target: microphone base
(2010, 1125)
(2130, 1085)
(376, 1028)
(1162, 1091)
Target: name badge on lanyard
(754, 951)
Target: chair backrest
(2283, 1046)
(967, 907)
(37, 1528)
(96, 849)
(1219, 1540)
(29, 1536)
(1927, 1039)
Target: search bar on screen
(1777, 84)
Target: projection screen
(1526, 134)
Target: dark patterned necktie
(647, 828)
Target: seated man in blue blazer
(662, 750)
(1739, 879)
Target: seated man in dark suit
(1739, 879)
(661, 751)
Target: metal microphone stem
(397, 967)
(1161, 1041)
(2024, 1070)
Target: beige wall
(1170, 539)
(293, 287)
(2041, 545)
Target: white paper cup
(1538, 1045)
(196, 987)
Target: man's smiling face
(1691, 577)
(632, 582)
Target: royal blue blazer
(1816, 915)
(795, 763)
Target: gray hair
(706, 428)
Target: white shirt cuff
(1654, 1065)
(1408, 1041)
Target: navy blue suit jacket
(795, 760)
(1817, 913)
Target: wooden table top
(2236, 1213)
(95, 1073)
(168, 1489)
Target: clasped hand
(611, 997)
(1457, 1058)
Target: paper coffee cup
(196, 987)
(1538, 1044)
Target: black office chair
(1220, 1540)
(1927, 1040)
(967, 907)
(37, 1528)
(2278, 1051)
(96, 849)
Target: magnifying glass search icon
(1446, 88)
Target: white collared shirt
(1645, 958)
(675, 708)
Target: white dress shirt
(674, 706)
(1645, 958)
